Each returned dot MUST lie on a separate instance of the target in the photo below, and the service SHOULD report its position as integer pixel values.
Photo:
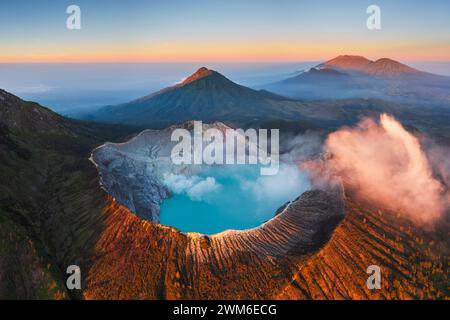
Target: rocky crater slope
(133, 172)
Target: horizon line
(212, 61)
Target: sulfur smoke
(386, 164)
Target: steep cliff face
(133, 172)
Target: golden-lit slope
(414, 264)
(135, 259)
(138, 259)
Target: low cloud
(195, 187)
(243, 181)
(284, 186)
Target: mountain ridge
(356, 77)
(383, 67)
(205, 95)
(202, 72)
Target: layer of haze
(73, 88)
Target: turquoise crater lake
(229, 197)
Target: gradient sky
(211, 30)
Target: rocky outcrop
(132, 172)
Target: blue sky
(138, 30)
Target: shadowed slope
(205, 95)
(50, 203)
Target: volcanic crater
(133, 173)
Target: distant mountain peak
(352, 62)
(386, 60)
(199, 74)
(205, 95)
(389, 67)
(350, 56)
(384, 67)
